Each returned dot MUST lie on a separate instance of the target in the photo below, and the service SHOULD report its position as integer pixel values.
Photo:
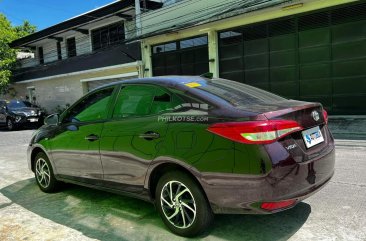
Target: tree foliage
(9, 33)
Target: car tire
(43, 173)
(10, 124)
(186, 212)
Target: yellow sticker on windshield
(193, 84)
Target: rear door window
(142, 100)
(164, 101)
(134, 100)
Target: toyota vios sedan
(192, 146)
(18, 113)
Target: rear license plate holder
(312, 137)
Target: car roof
(168, 81)
(8, 100)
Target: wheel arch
(160, 169)
(9, 117)
(34, 153)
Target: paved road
(337, 212)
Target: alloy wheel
(178, 204)
(43, 173)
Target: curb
(350, 143)
(347, 117)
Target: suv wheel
(44, 173)
(9, 124)
(182, 205)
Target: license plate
(312, 136)
(33, 120)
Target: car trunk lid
(306, 114)
(309, 116)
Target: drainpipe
(138, 17)
(213, 54)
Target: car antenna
(207, 75)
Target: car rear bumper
(232, 193)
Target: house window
(107, 36)
(71, 47)
(194, 42)
(165, 48)
(59, 54)
(40, 55)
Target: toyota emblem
(315, 115)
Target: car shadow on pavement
(106, 216)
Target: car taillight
(271, 206)
(325, 115)
(255, 132)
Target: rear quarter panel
(193, 144)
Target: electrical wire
(87, 45)
(214, 11)
(187, 24)
(206, 14)
(192, 13)
(176, 9)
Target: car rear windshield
(239, 94)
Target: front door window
(91, 108)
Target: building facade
(78, 55)
(308, 50)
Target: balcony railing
(115, 55)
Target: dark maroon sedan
(191, 145)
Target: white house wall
(51, 93)
(61, 90)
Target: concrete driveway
(337, 212)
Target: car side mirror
(52, 119)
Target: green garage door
(315, 57)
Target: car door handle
(150, 135)
(92, 137)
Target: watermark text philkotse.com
(182, 118)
